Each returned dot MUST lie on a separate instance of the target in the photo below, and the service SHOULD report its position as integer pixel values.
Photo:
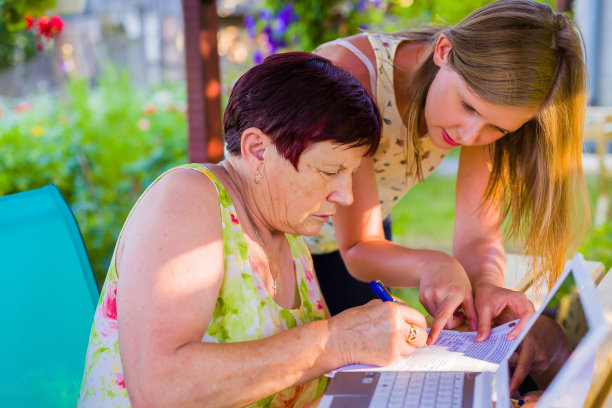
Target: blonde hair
(521, 53)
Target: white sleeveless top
(392, 159)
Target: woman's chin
(309, 230)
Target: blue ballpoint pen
(380, 290)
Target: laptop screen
(549, 342)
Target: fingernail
(521, 403)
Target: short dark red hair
(297, 99)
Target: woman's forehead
(334, 154)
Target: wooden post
(563, 5)
(203, 84)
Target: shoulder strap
(359, 54)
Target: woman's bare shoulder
(346, 59)
(177, 206)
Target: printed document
(454, 351)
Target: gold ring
(412, 334)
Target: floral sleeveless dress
(244, 311)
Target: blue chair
(47, 300)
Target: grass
(424, 217)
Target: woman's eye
(329, 173)
(467, 107)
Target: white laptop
(572, 304)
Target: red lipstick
(449, 139)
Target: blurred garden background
(93, 99)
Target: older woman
(211, 298)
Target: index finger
(470, 312)
(444, 313)
(524, 315)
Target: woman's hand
(444, 288)
(377, 333)
(502, 305)
(542, 351)
(530, 399)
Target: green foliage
(17, 43)
(598, 246)
(101, 147)
(319, 21)
(13, 11)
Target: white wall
(594, 17)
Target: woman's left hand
(444, 288)
(502, 305)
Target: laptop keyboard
(418, 390)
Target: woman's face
(301, 201)
(457, 116)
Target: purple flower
(377, 3)
(286, 15)
(250, 23)
(282, 20)
(257, 57)
(272, 45)
(265, 15)
(361, 5)
(278, 27)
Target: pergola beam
(205, 142)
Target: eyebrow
(338, 165)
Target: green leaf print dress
(244, 311)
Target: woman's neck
(252, 203)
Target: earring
(257, 178)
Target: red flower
(234, 218)
(149, 109)
(43, 26)
(29, 21)
(55, 25)
(50, 27)
(23, 107)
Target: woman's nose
(469, 132)
(343, 191)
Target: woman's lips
(323, 218)
(449, 139)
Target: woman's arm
(477, 244)
(368, 256)
(170, 267)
